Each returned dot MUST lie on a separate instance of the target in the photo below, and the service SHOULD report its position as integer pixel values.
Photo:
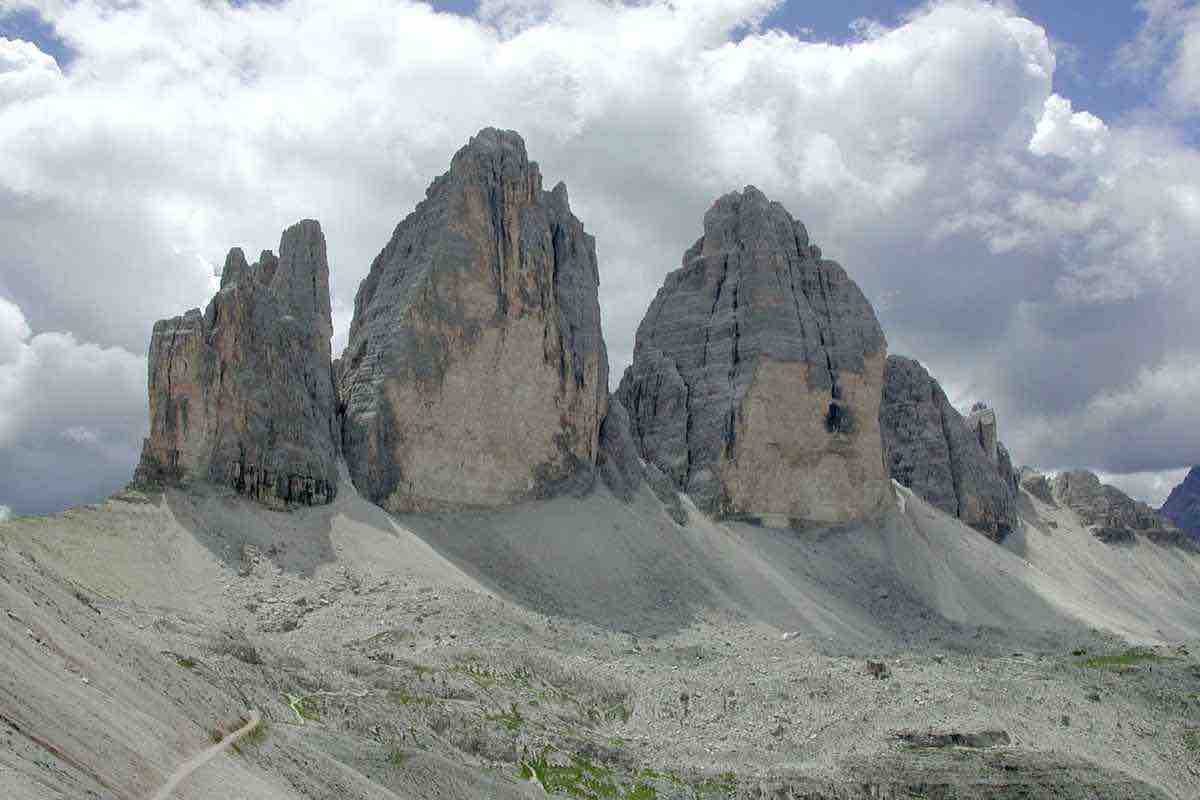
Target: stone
(1112, 515)
(756, 375)
(1183, 505)
(243, 394)
(476, 374)
(957, 465)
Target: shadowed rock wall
(243, 393)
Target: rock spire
(243, 393)
(476, 374)
(755, 383)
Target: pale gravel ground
(566, 608)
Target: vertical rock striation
(756, 376)
(955, 464)
(476, 374)
(243, 393)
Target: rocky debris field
(380, 669)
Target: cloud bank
(1029, 252)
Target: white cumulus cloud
(1029, 252)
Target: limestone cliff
(476, 374)
(955, 464)
(243, 393)
(755, 383)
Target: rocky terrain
(1183, 505)
(1110, 514)
(398, 576)
(756, 376)
(955, 464)
(243, 393)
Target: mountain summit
(756, 375)
(476, 373)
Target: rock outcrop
(756, 375)
(955, 464)
(243, 394)
(1183, 504)
(1112, 515)
(1038, 485)
(476, 374)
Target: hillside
(435, 655)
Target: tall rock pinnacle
(476, 374)
(757, 373)
(243, 393)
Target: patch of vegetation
(580, 778)
(513, 721)
(305, 707)
(186, 663)
(396, 757)
(1126, 660)
(1191, 739)
(484, 677)
(403, 697)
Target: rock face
(1112, 515)
(1037, 485)
(955, 464)
(476, 374)
(1183, 505)
(756, 375)
(243, 394)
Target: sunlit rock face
(956, 464)
(476, 374)
(243, 394)
(757, 372)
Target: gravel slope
(447, 655)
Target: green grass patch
(186, 663)
(396, 757)
(1130, 658)
(304, 707)
(1191, 739)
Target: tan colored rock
(476, 374)
(757, 373)
(243, 394)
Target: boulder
(756, 375)
(955, 464)
(476, 374)
(243, 394)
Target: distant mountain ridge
(1183, 504)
